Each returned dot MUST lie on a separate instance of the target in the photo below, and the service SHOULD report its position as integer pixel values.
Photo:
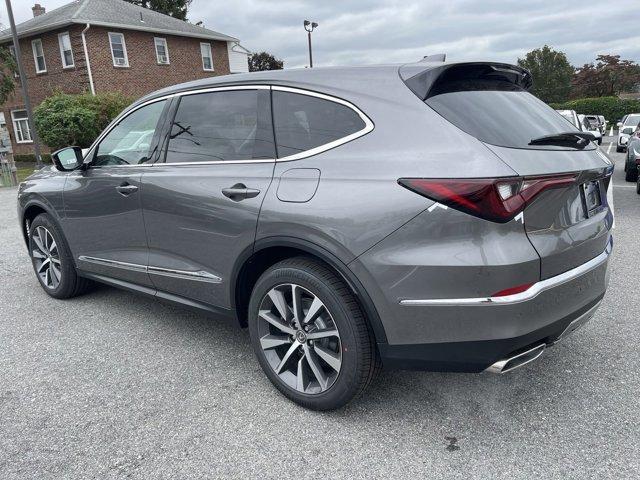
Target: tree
(551, 73)
(8, 70)
(65, 119)
(610, 76)
(173, 8)
(264, 61)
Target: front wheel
(310, 336)
(52, 261)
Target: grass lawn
(24, 173)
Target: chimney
(37, 9)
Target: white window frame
(124, 50)
(18, 131)
(35, 55)
(208, 45)
(60, 37)
(163, 42)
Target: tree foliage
(8, 69)
(264, 61)
(173, 8)
(63, 119)
(609, 76)
(551, 72)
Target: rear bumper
(471, 334)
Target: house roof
(113, 14)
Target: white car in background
(582, 123)
(626, 127)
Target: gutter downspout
(86, 56)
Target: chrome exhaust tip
(517, 361)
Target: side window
(130, 141)
(303, 122)
(225, 125)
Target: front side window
(66, 53)
(130, 142)
(162, 52)
(207, 56)
(303, 122)
(219, 126)
(38, 56)
(21, 126)
(118, 50)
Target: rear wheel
(631, 173)
(638, 186)
(619, 149)
(310, 336)
(52, 261)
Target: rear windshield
(496, 112)
(632, 120)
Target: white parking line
(609, 148)
(611, 131)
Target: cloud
(353, 32)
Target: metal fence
(8, 171)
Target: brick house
(110, 46)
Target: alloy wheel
(46, 257)
(299, 338)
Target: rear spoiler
(421, 80)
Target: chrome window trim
(529, 294)
(198, 276)
(369, 125)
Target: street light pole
(309, 26)
(24, 84)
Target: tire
(638, 186)
(619, 149)
(50, 252)
(340, 313)
(631, 173)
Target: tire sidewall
(345, 386)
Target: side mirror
(619, 124)
(67, 159)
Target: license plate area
(591, 198)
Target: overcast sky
(381, 31)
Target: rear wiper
(565, 139)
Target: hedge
(31, 158)
(613, 108)
(63, 119)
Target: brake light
(495, 199)
(513, 290)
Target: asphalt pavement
(114, 385)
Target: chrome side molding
(198, 276)
(528, 294)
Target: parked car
(603, 124)
(352, 218)
(587, 126)
(626, 126)
(598, 121)
(572, 117)
(633, 155)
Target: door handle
(126, 189)
(239, 192)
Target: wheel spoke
(276, 322)
(37, 253)
(296, 296)
(56, 272)
(314, 310)
(286, 357)
(301, 380)
(316, 368)
(273, 341)
(332, 359)
(53, 246)
(36, 238)
(43, 265)
(277, 297)
(47, 277)
(55, 260)
(329, 332)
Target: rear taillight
(495, 199)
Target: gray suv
(429, 216)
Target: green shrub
(62, 119)
(31, 158)
(613, 108)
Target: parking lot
(116, 385)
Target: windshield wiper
(565, 139)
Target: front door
(201, 204)
(103, 210)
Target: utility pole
(23, 83)
(308, 26)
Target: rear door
(201, 203)
(567, 226)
